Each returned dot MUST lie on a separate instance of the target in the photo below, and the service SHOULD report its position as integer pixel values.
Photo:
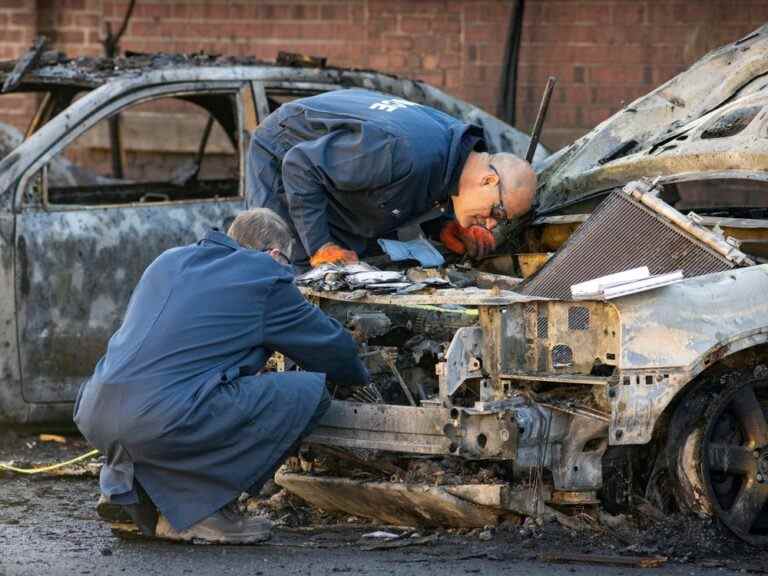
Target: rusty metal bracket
(462, 361)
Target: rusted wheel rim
(734, 461)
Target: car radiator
(623, 233)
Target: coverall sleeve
(350, 160)
(301, 331)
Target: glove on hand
(475, 241)
(332, 254)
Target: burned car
(631, 357)
(615, 346)
(123, 159)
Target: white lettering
(391, 105)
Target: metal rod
(396, 372)
(116, 145)
(203, 144)
(43, 111)
(542, 114)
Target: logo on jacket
(391, 105)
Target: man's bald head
(485, 177)
(518, 183)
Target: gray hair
(262, 229)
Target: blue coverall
(169, 403)
(351, 166)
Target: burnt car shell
(67, 271)
(664, 375)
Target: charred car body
(581, 400)
(665, 390)
(81, 218)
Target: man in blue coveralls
(347, 167)
(178, 404)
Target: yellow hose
(80, 458)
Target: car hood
(708, 120)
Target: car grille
(619, 235)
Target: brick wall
(604, 52)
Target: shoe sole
(165, 532)
(113, 513)
(240, 540)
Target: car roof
(58, 69)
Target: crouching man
(178, 403)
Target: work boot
(111, 512)
(143, 514)
(227, 526)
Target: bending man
(347, 167)
(178, 404)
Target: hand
(475, 241)
(332, 253)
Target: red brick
(602, 51)
(534, 73)
(578, 12)
(610, 95)
(378, 61)
(195, 12)
(593, 116)
(415, 7)
(454, 79)
(393, 43)
(449, 60)
(490, 54)
(95, 36)
(478, 73)
(661, 13)
(180, 11)
(415, 25)
(382, 26)
(486, 11)
(23, 19)
(12, 36)
(615, 75)
(573, 95)
(449, 24)
(670, 34)
(436, 78)
(377, 8)
(158, 10)
(492, 33)
(630, 13)
(70, 37)
(70, 4)
(87, 20)
(334, 11)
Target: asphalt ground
(48, 525)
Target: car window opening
(172, 149)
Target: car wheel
(733, 458)
(682, 439)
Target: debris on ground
(42, 451)
(52, 438)
(615, 560)
(381, 534)
(401, 543)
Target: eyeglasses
(498, 212)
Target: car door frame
(33, 388)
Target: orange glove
(476, 241)
(332, 254)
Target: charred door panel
(76, 271)
(84, 237)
